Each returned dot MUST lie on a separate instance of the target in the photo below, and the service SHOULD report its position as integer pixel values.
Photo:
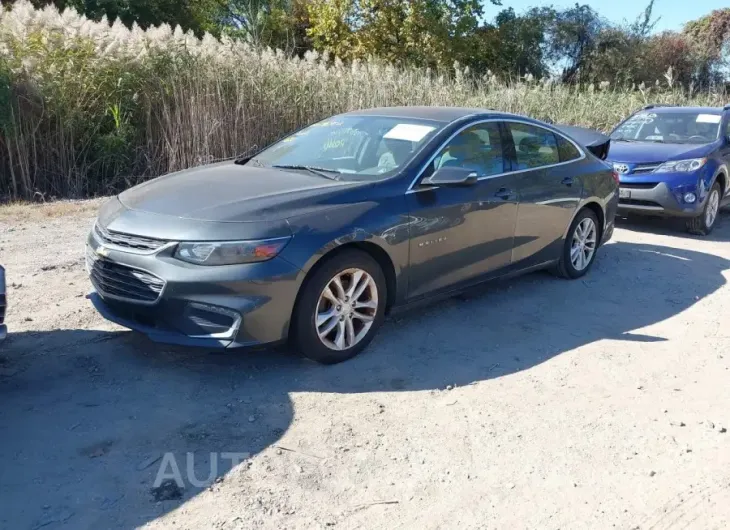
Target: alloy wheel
(583, 245)
(346, 309)
(713, 206)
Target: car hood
(654, 153)
(229, 192)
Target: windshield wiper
(321, 171)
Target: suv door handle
(504, 193)
(568, 181)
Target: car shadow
(675, 226)
(87, 416)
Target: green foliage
(416, 32)
(513, 46)
(87, 108)
(198, 16)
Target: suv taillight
(615, 177)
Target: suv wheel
(340, 309)
(703, 224)
(581, 246)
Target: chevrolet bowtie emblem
(102, 251)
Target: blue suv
(673, 162)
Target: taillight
(615, 177)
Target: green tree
(710, 39)
(275, 23)
(198, 16)
(418, 32)
(512, 46)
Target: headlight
(682, 166)
(230, 252)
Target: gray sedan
(316, 238)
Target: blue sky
(673, 13)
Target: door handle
(568, 181)
(504, 193)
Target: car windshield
(669, 127)
(351, 147)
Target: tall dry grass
(87, 108)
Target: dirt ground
(537, 403)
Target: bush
(88, 108)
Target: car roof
(440, 114)
(688, 110)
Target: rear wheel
(581, 246)
(340, 309)
(703, 224)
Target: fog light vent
(203, 320)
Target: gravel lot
(536, 403)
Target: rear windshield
(669, 128)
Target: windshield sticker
(328, 123)
(639, 119)
(708, 118)
(408, 132)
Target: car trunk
(594, 141)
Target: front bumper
(212, 307)
(656, 200)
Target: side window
(566, 149)
(478, 148)
(534, 146)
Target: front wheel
(703, 224)
(581, 246)
(340, 309)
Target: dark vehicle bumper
(211, 307)
(3, 305)
(658, 200)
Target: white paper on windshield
(708, 118)
(408, 132)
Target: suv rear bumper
(658, 200)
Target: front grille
(144, 244)
(120, 281)
(645, 168)
(639, 185)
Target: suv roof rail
(653, 106)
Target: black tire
(304, 336)
(565, 267)
(698, 225)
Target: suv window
(478, 148)
(566, 149)
(534, 146)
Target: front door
(460, 233)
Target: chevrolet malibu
(319, 236)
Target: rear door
(543, 165)
(461, 233)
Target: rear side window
(566, 149)
(535, 147)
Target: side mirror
(451, 177)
